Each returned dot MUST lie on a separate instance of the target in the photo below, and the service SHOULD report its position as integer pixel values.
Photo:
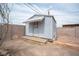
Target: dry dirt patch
(23, 47)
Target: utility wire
(31, 8)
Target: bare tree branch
(4, 24)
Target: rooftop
(37, 18)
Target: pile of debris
(6, 52)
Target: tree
(4, 21)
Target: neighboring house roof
(35, 18)
(70, 25)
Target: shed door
(35, 28)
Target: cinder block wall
(69, 34)
(15, 30)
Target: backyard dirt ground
(65, 45)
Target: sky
(64, 13)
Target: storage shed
(43, 26)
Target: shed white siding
(50, 27)
(31, 31)
(46, 28)
(54, 32)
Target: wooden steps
(35, 39)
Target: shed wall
(39, 31)
(48, 27)
(54, 32)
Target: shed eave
(34, 19)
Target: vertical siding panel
(48, 27)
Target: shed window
(35, 24)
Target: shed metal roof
(36, 18)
